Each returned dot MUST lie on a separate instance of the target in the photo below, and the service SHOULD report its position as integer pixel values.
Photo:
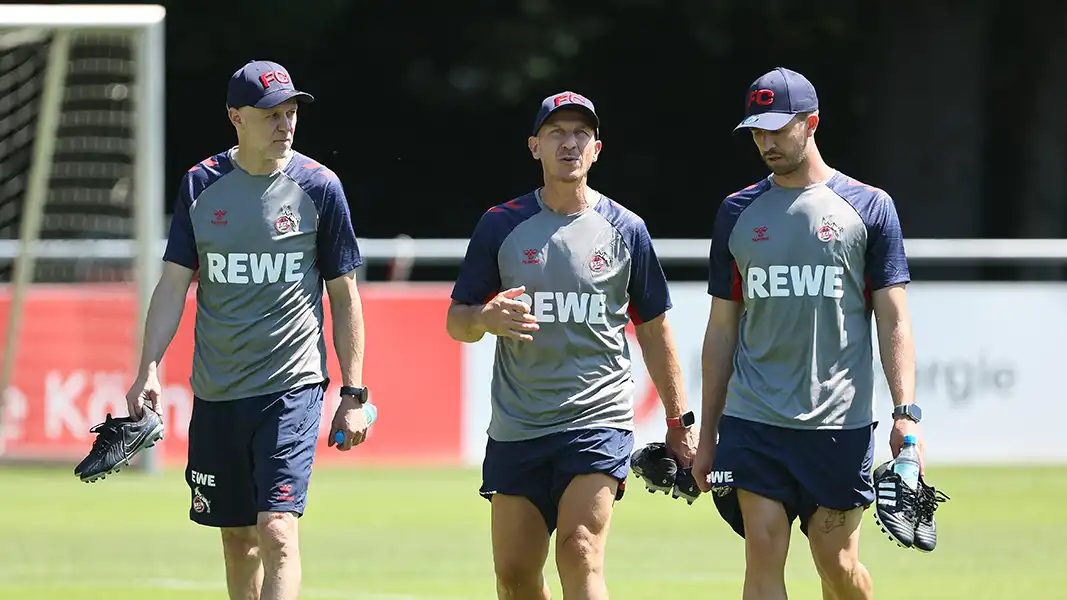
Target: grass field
(422, 535)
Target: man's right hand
(504, 316)
(702, 462)
(146, 390)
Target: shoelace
(907, 496)
(105, 431)
(930, 497)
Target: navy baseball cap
(262, 84)
(563, 100)
(775, 98)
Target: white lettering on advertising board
(989, 356)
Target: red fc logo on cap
(280, 76)
(569, 98)
(761, 97)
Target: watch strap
(360, 393)
(908, 411)
(684, 421)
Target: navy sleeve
(724, 281)
(479, 273)
(886, 262)
(650, 296)
(337, 246)
(181, 242)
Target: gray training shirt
(263, 245)
(586, 276)
(803, 263)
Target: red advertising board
(77, 355)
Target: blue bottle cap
(910, 439)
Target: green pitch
(424, 535)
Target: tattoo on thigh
(834, 519)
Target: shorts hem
(281, 508)
(488, 494)
(611, 473)
(222, 523)
(863, 505)
(762, 493)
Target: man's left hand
(351, 421)
(901, 427)
(682, 445)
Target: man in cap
(556, 275)
(265, 226)
(799, 262)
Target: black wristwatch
(686, 420)
(908, 411)
(360, 393)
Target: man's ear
(813, 122)
(534, 146)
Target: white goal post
(59, 24)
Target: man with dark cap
(267, 228)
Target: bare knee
(520, 547)
(842, 573)
(839, 568)
(518, 573)
(767, 541)
(240, 543)
(580, 551)
(277, 534)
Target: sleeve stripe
(736, 292)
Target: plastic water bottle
(906, 464)
(372, 415)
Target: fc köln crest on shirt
(288, 221)
(829, 230)
(599, 262)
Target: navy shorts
(252, 455)
(802, 469)
(540, 469)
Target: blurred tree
(1041, 200)
(237, 26)
(925, 111)
(947, 104)
(504, 52)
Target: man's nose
(763, 139)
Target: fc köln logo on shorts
(829, 230)
(200, 503)
(288, 221)
(599, 262)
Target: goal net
(81, 216)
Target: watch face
(909, 410)
(688, 419)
